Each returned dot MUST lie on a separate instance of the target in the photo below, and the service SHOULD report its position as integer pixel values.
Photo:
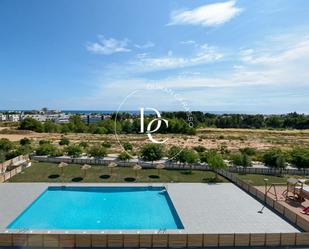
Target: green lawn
(258, 180)
(42, 172)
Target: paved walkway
(203, 208)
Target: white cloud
(206, 15)
(189, 42)
(108, 46)
(146, 45)
(261, 77)
(204, 54)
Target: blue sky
(248, 56)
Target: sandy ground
(211, 138)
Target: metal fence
(269, 171)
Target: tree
(241, 159)
(64, 141)
(5, 145)
(300, 157)
(189, 156)
(124, 156)
(173, 153)
(24, 141)
(206, 155)
(24, 150)
(274, 158)
(50, 126)
(31, 124)
(151, 152)
(46, 149)
(97, 151)
(215, 162)
(73, 150)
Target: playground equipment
(269, 188)
(295, 190)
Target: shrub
(97, 151)
(41, 142)
(188, 156)
(74, 150)
(124, 156)
(5, 145)
(31, 124)
(107, 144)
(152, 152)
(206, 155)
(24, 150)
(274, 158)
(300, 157)
(173, 153)
(46, 149)
(64, 141)
(24, 141)
(128, 146)
(241, 159)
(83, 144)
(248, 150)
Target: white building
(13, 117)
(2, 117)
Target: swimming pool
(100, 208)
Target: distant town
(45, 114)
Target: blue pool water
(100, 208)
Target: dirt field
(210, 138)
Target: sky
(236, 56)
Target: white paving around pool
(202, 208)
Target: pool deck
(202, 208)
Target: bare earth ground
(210, 138)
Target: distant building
(3, 117)
(13, 117)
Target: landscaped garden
(50, 172)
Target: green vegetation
(25, 141)
(46, 149)
(64, 141)
(44, 172)
(74, 150)
(5, 145)
(241, 159)
(300, 157)
(215, 162)
(124, 156)
(288, 121)
(77, 125)
(152, 152)
(128, 146)
(97, 151)
(275, 158)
